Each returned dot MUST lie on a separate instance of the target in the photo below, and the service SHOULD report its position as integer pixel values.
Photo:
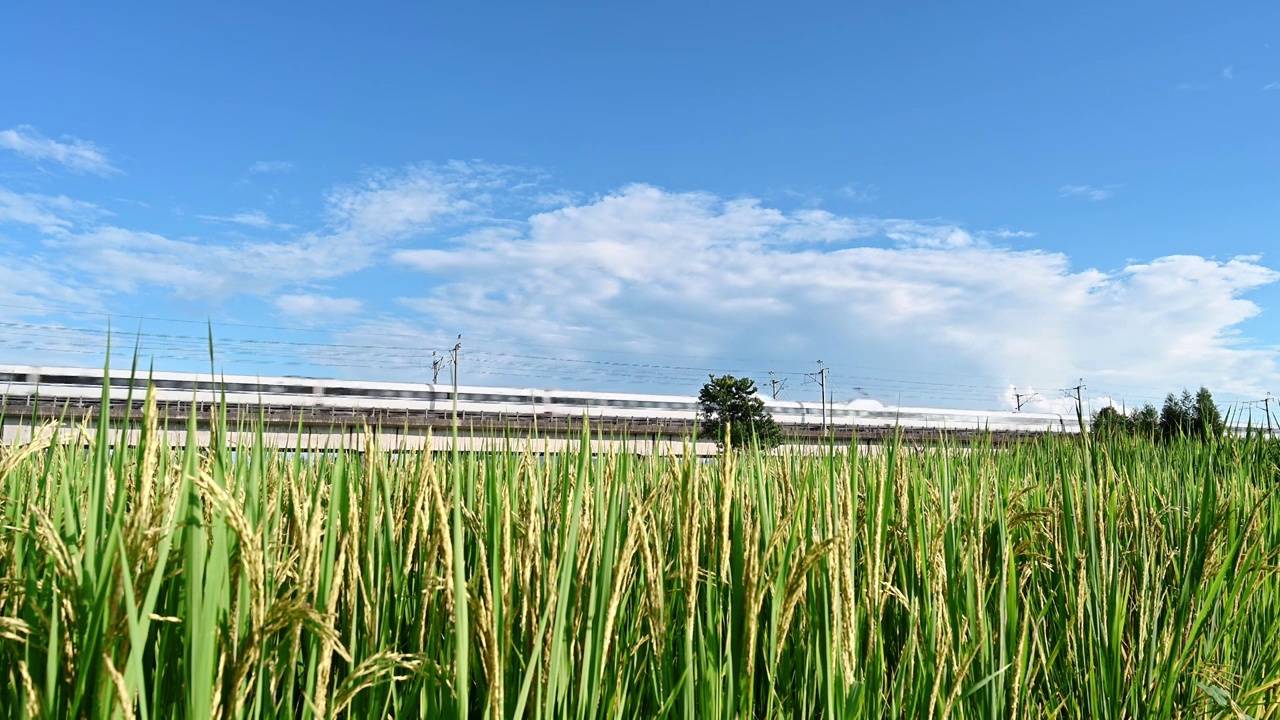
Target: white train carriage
(24, 383)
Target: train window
(62, 380)
(567, 401)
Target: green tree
(1190, 416)
(1208, 417)
(730, 401)
(1145, 421)
(1177, 416)
(1109, 421)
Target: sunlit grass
(1064, 578)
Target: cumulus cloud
(71, 152)
(317, 306)
(692, 274)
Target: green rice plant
(1069, 577)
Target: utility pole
(456, 349)
(1266, 404)
(821, 378)
(1266, 408)
(1079, 402)
(776, 385)
(1017, 398)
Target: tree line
(1185, 415)
(732, 410)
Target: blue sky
(942, 202)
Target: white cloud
(1087, 192)
(1228, 73)
(398, 205)
(254, 219)
(317, 306)
(1271, 86)
(50, 214)
(124, 260)
(271, 166)
(918, 234)
(693, 275)
(73, 153)
(30, 285)
(362, 221)
(1008, 234)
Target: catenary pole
(822, 382)
(1266, 408)
(456, 349)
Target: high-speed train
(23, 383)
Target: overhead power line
(425, 357)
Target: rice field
(1070, 578)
